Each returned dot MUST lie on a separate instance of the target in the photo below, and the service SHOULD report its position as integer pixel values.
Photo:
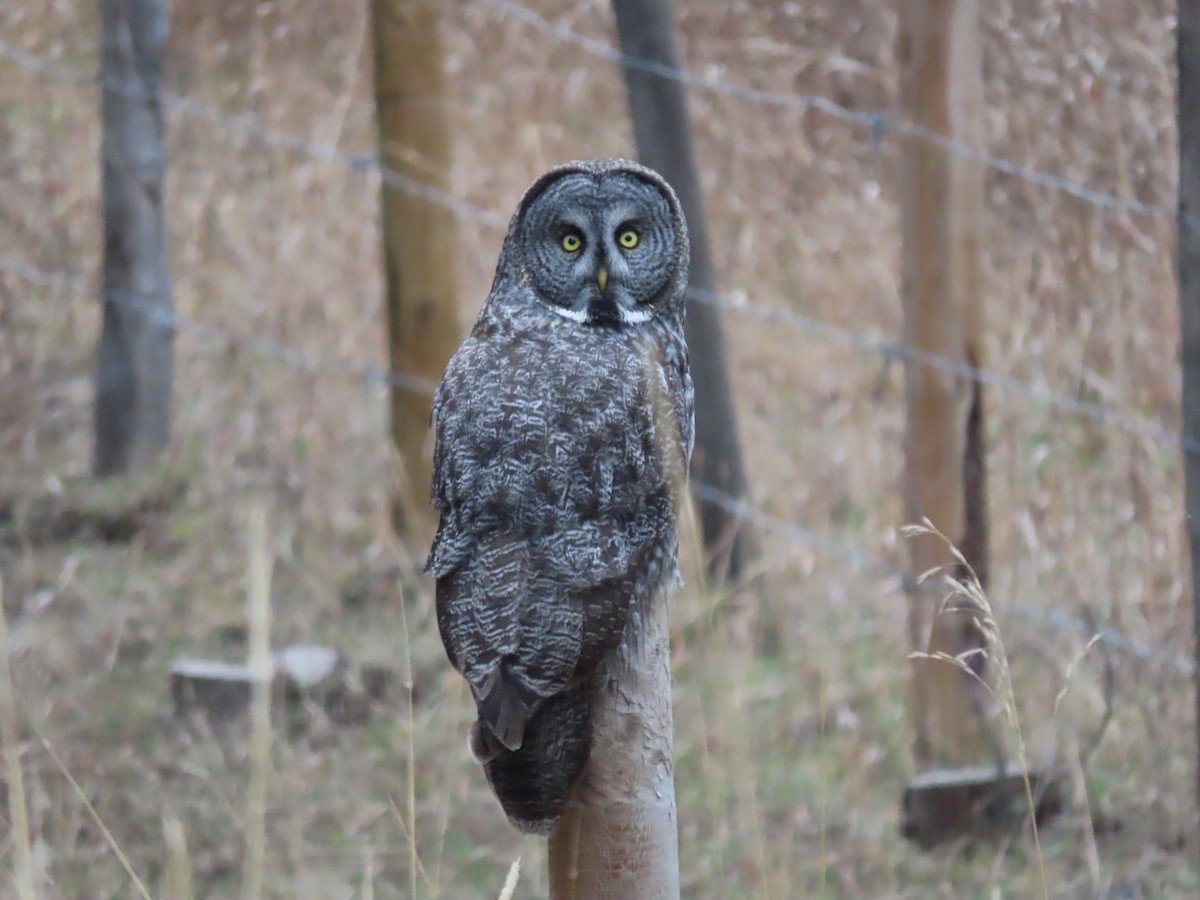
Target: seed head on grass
(968, 592)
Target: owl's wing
(555, 516)
(512, 642)
(483, 615)
(679, 380)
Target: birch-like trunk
(618, 838)
(420, 251)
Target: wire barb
(879, 124)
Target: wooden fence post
(134, 359)
(1188, 61)
(658, 109)
(618, 837)
(419, 249)
(939, 53)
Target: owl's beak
(602, 278)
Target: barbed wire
(865, 559)
(365, 162)
(957, 369)
(256, 131)
(857, 554)
(878, 123)
(289, 355)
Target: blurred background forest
(791, 733)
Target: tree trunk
(1188, 59)
(658, 108)
(941, 198)
(134, 358)
(419, 248)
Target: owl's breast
(533, 423)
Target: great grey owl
(563, 434)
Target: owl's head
(602, 243)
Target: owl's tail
(504, 704)
(534, 782)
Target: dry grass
(791, 763)
(18, 814)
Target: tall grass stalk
(11, 741)
(368, 879)
(91, 810)
(411, 785)
(259, 599)
(400, 820)
(993, 649)
(453, 697)
(510, 881)
(824, 776)
(179, 866)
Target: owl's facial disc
(598, 250)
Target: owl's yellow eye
(571, 242)
(628, 238)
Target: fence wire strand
(857, 554)
(264, 347)
(879, 123)
(957, 369)
(252, 130)
(863, 558)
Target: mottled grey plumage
(564, 428)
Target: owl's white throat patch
(635, 316)
(575, 315)
(609, 312)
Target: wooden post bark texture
(419, 249)
(134, 359)
(1188, 59)
(618, 838)
(939, 52)
(658, 108)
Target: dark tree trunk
(658, 108)
(135, 355)
(1188, 58)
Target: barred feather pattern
(560, 451)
